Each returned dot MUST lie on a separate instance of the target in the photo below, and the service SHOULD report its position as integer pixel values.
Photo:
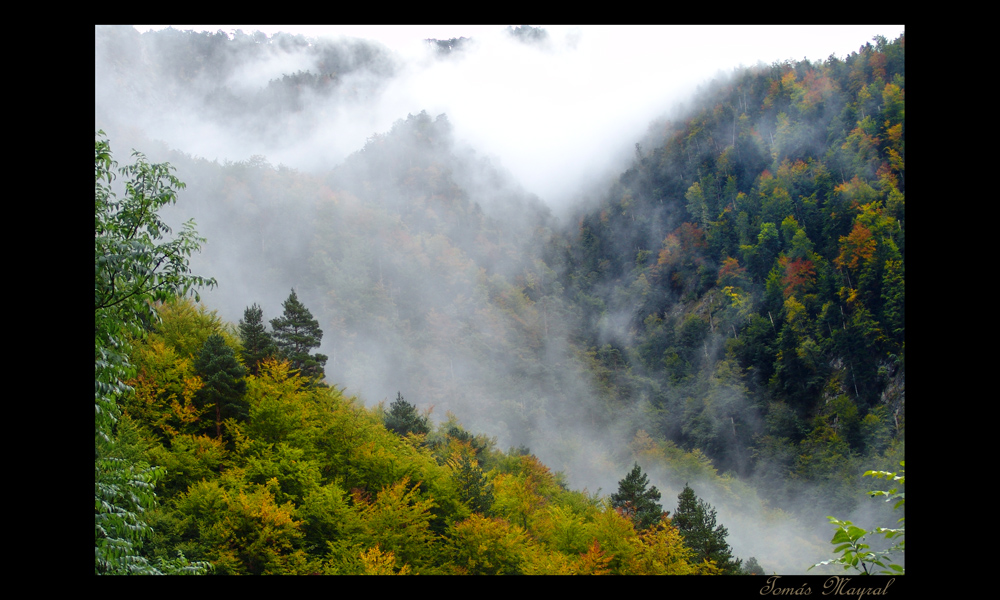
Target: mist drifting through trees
(489, 229)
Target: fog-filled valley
(701, 275)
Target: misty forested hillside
(751, 268)
(728, 312)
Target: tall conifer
(637, 502)
(296, 332)
(695, 519)
(257, 342)
(224, 384)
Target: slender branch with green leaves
(133, 267)
(850, 539)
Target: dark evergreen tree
(752, 567)
(296, 332)
(257, 342)
(224, 382)
(404, 418)
(635, 501)
(695, 519)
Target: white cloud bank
(555, 117)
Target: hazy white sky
(552, 116)
(766, 42)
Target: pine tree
(224, 383)
(404, 418)
(696, 520)
(257, 342)
(752, 567)
(296, 332)
(635, 501)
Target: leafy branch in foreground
(132, 268)
(849, 539)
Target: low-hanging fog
(557, 114)
(528, 133)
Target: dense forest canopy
(726, 315)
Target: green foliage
(257, 342)
(189, 459)
(297, 475)
(404, 418)
(615, 534)
(398, 520)
(295, 492)
(696, 520)
(185, 325)
(660, 550)
(827, 464)
(752, 567)
(805, 248)
(326, 515)
(564, 526)
(164, 390)
(133, 267)
(473, 487)
(296, 332)
(876, 430)
(637, 502)
(849, 540)
(278, 403)
(242, 531)
(481, 545)
(792, 177)
(124, 492)
(224, 382)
